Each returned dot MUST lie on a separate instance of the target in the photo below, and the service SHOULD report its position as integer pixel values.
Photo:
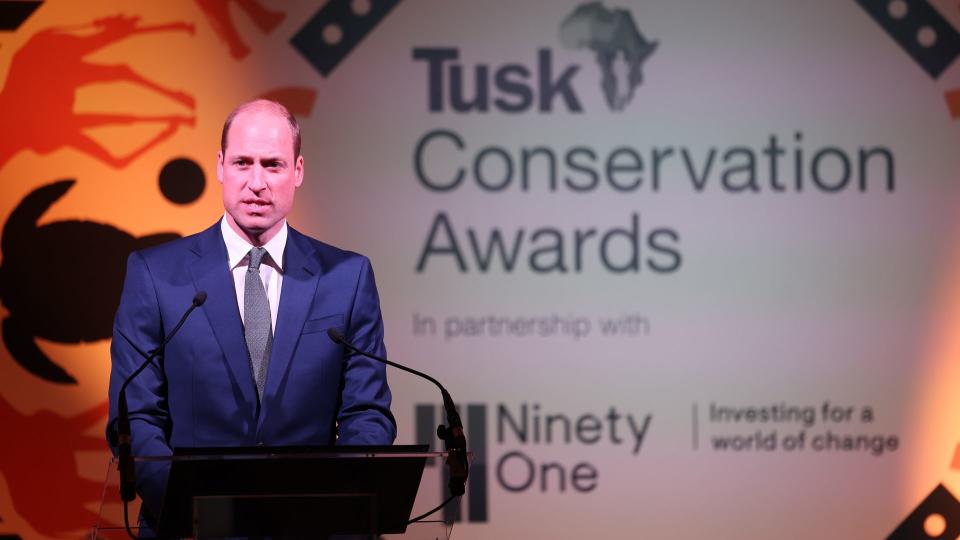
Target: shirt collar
(238, 248)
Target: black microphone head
(337, 337)
(199, 298)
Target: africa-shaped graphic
(614, 38)
(60, 281)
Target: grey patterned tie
(257, 327)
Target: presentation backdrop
(688, 268)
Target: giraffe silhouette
(37, 102)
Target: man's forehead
(259, 124)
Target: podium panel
(328, 492)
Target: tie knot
(256, 255)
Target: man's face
(259, 174)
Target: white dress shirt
(271, 267)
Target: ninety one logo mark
(522, 430)
(476, 427)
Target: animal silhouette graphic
(41, 472)
(218, 14)
(37, 101)
(60, 281)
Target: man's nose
(257, 182)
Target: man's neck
(255, 238)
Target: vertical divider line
(696, 427)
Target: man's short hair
(265, 104)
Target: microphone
(455, 442)
(128, 476)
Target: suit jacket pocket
(322, 324)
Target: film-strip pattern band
(920, 29)
(940, 503)
(476, 428)
(335, 30)
(14, 12)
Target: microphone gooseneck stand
(128, 473)
(454, 440)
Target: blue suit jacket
(201, 391)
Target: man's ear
(220, 166)
(298, 170)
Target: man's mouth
(255, 204)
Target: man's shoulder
(327, 253)
(172, 251)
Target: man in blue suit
(253, 365)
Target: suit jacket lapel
(210, 274)
(301, 272)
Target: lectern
(288, 492)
